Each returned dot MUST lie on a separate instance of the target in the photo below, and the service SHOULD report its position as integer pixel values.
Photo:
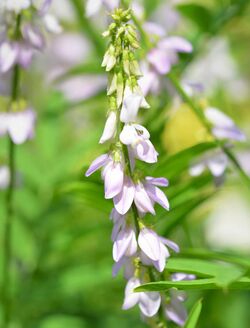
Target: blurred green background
(62, 261)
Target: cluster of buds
(136, 246)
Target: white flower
(133, 100)
(93, 6)
(110, 128)
(149, 302)
(51, 24)
(19, 125)
(4, 177)
(136, 137)
(223, 126)
(17, 5)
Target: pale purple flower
(21, 51)
(133, 100)
(52, 24)
(215, 161)
(16, 5)
(4, 177)
(223, 126)
(33, 36)
(165, 54)
(149, 302)
(125, 243)
(8, 55)
(156, 194)
(42, 6)
(136, 137)
(175, 310)
(110, 128)
(123, 201)
(127, 264)
(93, 6)
(19, 125)
(154, 249)
(162, 57)
(144, 193)
(150, 81)
(112, 174)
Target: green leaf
(198, 14)
(194, 315)
(198, 284)
(214, 275)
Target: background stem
(7, 255)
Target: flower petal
(161, 182)
(97, 164)
(128, 136)
(124, 199)
(149, 243)
(109, 129)
(157, 195)
(217, 164)
(149, 303)
(21, 126)
(131, 298)
(8, 55)
(218, 118)
(176, 43)
(113, 180)
(142, 201)
(121, 243)
(130, 108)
(160, 60)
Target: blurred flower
(175, 310)
(223, 126)
(223, 71)
(162, 57)
(19, 125)
(93, 6)
(215, 161)
(110, 128)
(4, 177)
(20, 50)
(16, 5)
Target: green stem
(9, 217)
(87, 27)
(7, 252)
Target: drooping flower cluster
(223, 128)
(161, 57)
(22, 27)
(18, 45)
(136, 246)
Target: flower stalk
(137, 247)
(7, 286)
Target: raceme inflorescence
(137, 248)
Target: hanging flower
(93, 6)
(19, 125)
(4, 177)
(149, 302)
(21, 49)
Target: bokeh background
(61, 268)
